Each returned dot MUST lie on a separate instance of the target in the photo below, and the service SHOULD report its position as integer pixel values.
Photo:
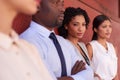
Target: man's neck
(40, 23)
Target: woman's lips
(79, 34)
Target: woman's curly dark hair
(69, 14)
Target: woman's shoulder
(64, 41)
(110, 43)
(93, 42)
(81, 43)
(113, 48)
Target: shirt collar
(6, 41)
(40, 29)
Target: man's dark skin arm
(65, 78)
(79, 66)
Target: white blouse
(104, 62)
(20, 60)
(83, 47)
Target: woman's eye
(110, 26)
(75, 24)
(83, 24)
(104, 26)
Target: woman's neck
(7, 16)
(103, 43)
(73, 40)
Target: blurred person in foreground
(18, 59)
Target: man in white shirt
(43, 24)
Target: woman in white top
(73, 28)
(18, 59)
(74, 25)
(101, 52)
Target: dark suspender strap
(85, 56)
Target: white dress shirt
(20, 60)
(39, 36)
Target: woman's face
(104, 30)
(77, 27)
(23, 6)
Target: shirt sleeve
(84, 75)
(51, 73)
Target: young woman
(101, 52)
(73, 28)
(18, 59)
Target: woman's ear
(66, 27)
(95, 30)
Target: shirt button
(17, 53)
(28, 74)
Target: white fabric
(20, 60)
(39, 36)
(104, 62)
(82, 45)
